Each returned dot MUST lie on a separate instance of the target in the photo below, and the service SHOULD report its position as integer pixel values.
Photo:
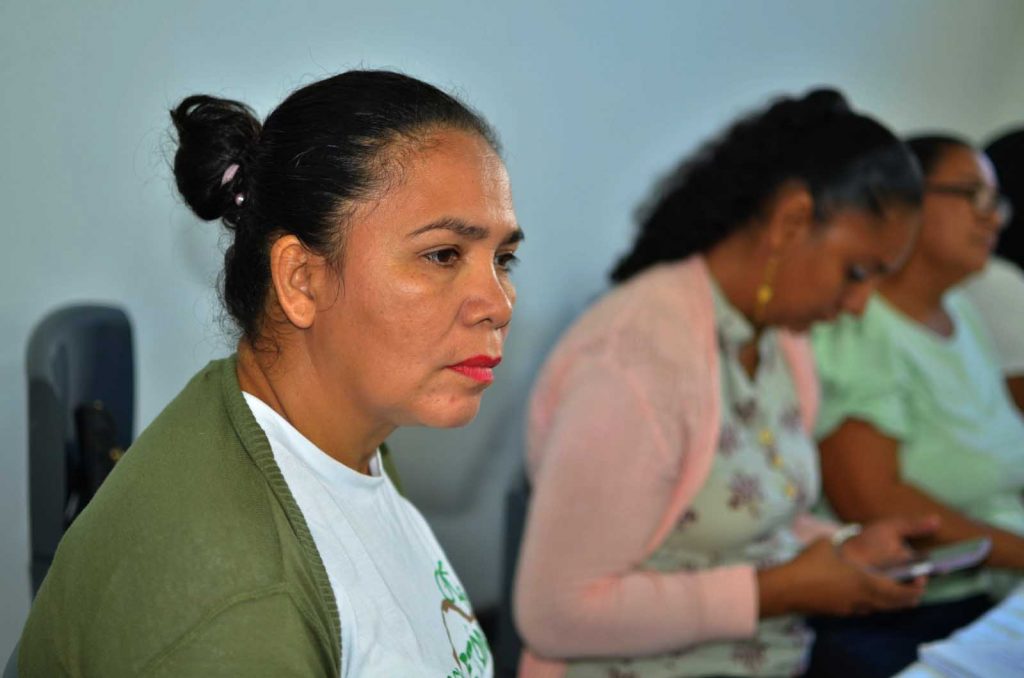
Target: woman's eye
(445, 257)
(506, 261)
(857, 274)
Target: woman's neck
(287, 381)
(729, 264)
(917, 291)
(733, 264)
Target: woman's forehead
(884, 238)
(456, 179)
(963, 164)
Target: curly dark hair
(845, 159)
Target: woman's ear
(293, 272)
(790, 217)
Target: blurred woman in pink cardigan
(669, 448)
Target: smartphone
(942, 560)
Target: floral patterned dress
(765, 472)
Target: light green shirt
(944, 399)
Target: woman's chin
(452, 415)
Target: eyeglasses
(985, 199)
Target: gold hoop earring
(766, 290)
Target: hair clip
(229, 173)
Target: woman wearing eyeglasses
(916, 417)
(668, 445)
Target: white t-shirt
(998, 294)
(403, 611)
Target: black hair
(1007, 154)
(930, 149)
(323, 149)
(845, 160)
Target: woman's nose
(490, 299)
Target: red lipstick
(478, 368)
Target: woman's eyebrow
(467, 230)
(966, 179)
(515, 236)
(457, 226)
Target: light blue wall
(593, 100)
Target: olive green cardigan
(193, 559)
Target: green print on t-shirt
(475, 655)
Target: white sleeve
(998, 295)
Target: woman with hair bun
(669, 441)
(252, 529)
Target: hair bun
(805, 113)
(825, 101)
(213, 135)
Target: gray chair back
(11, 668)
(76, 355)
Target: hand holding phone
(942, 560)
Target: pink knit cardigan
(623, 427)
